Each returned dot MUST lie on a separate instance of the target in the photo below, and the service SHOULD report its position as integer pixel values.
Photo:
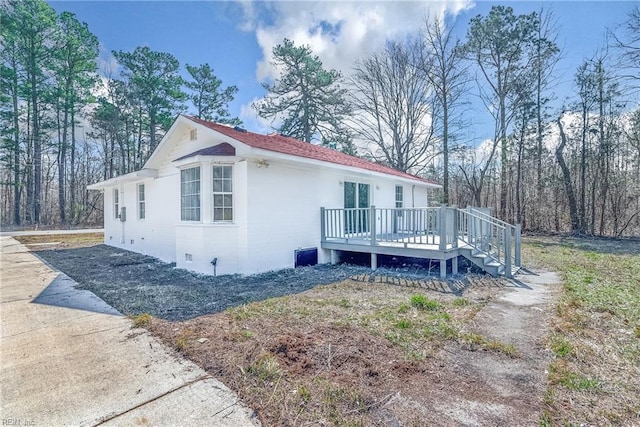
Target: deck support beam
(334, 257)
(443, 268)
(374, 261)
(454, 265)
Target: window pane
(349, 195)
(222, 193)
(363, 195)
(190, 194)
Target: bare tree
(445, 69)
(566, 178)
(391, 99)
(629, 43)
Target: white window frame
(223, 193)
(400, 200)
(116, 203)
(197, 194)
(142, 201)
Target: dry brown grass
(333, 355)
(61, 241)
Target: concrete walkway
(66, 358)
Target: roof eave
(270, 154)
(122, 179)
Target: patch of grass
(182, 340)
(581, 383)
(265, 367)
(304, 393)
(403, 308)
(143, 320)
(494, 345)
(340, 401)
(421, 302)
(461, 302)
(560, 346)
(545, 419)
(403, 324)
(344, 303)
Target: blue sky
(236, 37)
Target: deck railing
(443, 226)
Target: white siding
(284, 202)
(155, 234)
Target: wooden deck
(441, 234)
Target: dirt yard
(336, 345)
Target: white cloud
(338, 32)
(251, 120)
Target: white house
(213, 194)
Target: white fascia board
(259, 153)
(122, 179)
(200, 159)
(159, 154)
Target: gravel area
(134, 283)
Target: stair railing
(495, 238)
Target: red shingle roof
(294, 147)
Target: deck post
(374, 261)
(323, 230)
(372, 224)
(442, 213)
(507, 251)
(454, 209)
(334, 257)
(454, 265)
(443, 268)
(518, 245)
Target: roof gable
(291, 146)
(223, 149)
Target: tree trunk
(17, 187)
(504, 160)
(72, 177)
(445, 148)
(566, 178)
(37, 143)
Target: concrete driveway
(69, 359)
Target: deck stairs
(489, 243)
